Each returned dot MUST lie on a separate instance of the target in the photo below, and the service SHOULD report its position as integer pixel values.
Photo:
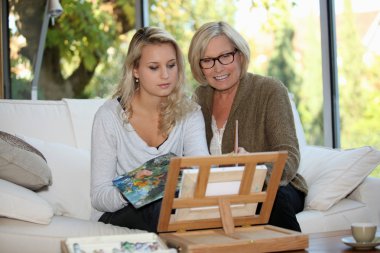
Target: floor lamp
(52, 10)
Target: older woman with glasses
(219, 58)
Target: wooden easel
(239, 234)
(166, 223)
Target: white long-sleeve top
(116, 148)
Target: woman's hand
(143, 173)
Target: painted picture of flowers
(142, 191)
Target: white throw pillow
(69, 193)
(23, 204)
(332, 174)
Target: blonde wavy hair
(176, 105)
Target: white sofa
(60, 130)
(340, 191)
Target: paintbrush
(236, 142)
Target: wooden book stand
(237, 233)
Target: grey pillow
(22, 164)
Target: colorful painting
(125, 243)
(142, 191)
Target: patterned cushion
(17, 142)
(22, 164)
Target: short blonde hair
(202, 38)
(176, 105)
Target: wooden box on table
(231, 230)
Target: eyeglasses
(224, 59)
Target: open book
(142, 191)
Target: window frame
(5, 88)
(331, 120)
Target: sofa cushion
(332, 174)
(22, 163)
(23, 204)
(69, 193)
(36, 238)
(338, 217)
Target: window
(83, 48)
(25, 21)
(279, 47)
(290, 52)
(358, 58)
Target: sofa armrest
(367, 192)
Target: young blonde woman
(148, 116)
(219, 58)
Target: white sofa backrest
(68, 121)
(82, 112)
(45, 120)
